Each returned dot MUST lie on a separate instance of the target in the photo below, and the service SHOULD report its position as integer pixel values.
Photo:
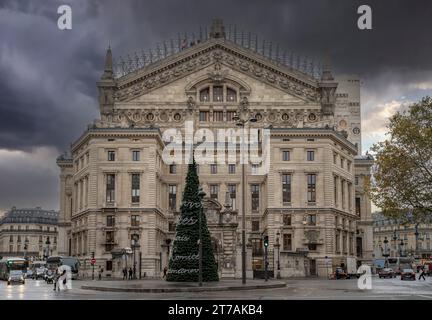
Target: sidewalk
(157, 286)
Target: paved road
(387, 289)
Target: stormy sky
(48, 76)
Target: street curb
(185, 289)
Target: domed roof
(30, 215)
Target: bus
(54, 262)
(399, 263)
(8, 264)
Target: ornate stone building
(116, 186)
(30, 233)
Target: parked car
(16, 276)
(29, 274)
(408, 274)
(387, 273)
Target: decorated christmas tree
(184, 261)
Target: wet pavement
(309, 288)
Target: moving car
(408, 274)
(16, 276)
(340, 274)
(387, 273)
(39, 273)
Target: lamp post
(394, 240)
(201, 194)
(277, 246)
(25, 248)
(416, 239)
(401, 244)
(135, 245)
(242, 117)
(386, 254)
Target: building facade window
(231, 95)
(286, 188)
(287, 242)
(173, 168)
(232, 191)
(135, 155)
(218, 116)
(111, 155)
(311, 187)
(217, 93)
(172, 197)
(285, 155)
(135, 221)
(214, 191)
(286, 219)
(204, 116)
(205, 95)
(110, 221)
(311, 220)
(230, 115)
(310, 155)
(231, 168)
(135, 188)
(255, 225)
(110, 188)
(255, 197)
(213, 168)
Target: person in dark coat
(422, 274)
(130, 273)
(125, 274)
(165, 270)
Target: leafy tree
(184, 262)
(402, 175)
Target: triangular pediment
(222, 52)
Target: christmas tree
(184, 261)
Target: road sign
(93, 261)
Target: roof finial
(108, 72)
(217, 29)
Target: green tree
(402, 175)
(184, 261)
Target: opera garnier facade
(122, 184)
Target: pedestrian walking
(165, 270)
(125, 273)
(130, 273)
(422, 274)
(100, 272)
(56, 279)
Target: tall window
(173, 169)
(213, 168)
(287, 242)
(110, 188)
(232, 191)
(349, 165)
(287, 219)
(255, 225)
(230, 115)
(349, 196)
(311, 219)
(334, 158)
(342, 162)
(214, 191)
(135, 155)
(231, 168)
(110, 221)
(337, 243)
(218, 116)
(335, 190)
(255, 197)
(217, 94)
(255, 169)
(285, 155)
(204, 116)
(231, 95)
(111, 155)
(172, 197)
(286, 188)
(343, 193)
(357, 206)
(135, 221)
(356, 180)
(311, 187)
(135, 188)
(310, 155)
(205, 95)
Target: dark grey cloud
(48, 77)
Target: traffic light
(266, 241)
(93, 255)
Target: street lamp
(401, 248)
(277, 245)
(135, 245)
(242, 117)
(416, 239)
(386, 254)
(201, 194)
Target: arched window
(231, 95)
(205, 95)
(217, 94)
